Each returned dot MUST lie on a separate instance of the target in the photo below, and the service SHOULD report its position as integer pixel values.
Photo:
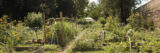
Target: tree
(71, 7)
(17, 9)
(79, 6)
(66, 6)
(95, 10)
(120, 8)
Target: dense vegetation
(116, 28)
(17, 9)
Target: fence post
(43, 6)
(61, 27)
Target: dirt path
(72, 43)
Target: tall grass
(64, 32)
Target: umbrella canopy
(89, 19)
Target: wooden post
(44, 25)
(43, 5)
(61, 29)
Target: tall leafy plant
(63, 32)
(34, 20)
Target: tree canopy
(120, 8)
(17, 9)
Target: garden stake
(43, 5)
(130, 45)
(61, 29)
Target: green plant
(12, 35)
(34, 20)
(83, 22)
(91, 40)
(3, 30)
(102, 21)
(62, 32)
(17, 34)
(130, 36)
(137, 21)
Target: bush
(3, 30)
(34, 20)
(63, 33)
(137, 21)
(140, 40)
(119, 34)
(112, 23)
(92, 40)
(118, 31)
(14, 34)
(102, 21)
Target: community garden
(79, 36)
(76, 26)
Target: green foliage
(17, 9)
(121, 36)
(34, 20)
(112, 23)
(95, 10)
(117, 31)
(20, 8)
(3, 29)
(120, 8)
(79, 6)
(12, 35)
(82, 21)
(16, 34)
(102, 20)
(141, 42)
(91, 40)
(63, 33)
(137, 21)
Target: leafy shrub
(18, 34)
(62, 33)
(96, 25)
(3, 30)
(137, 21)
(91, 40)
(116, 47)
(140, 40)
(112, 23)
(118, 31)
(14, 34)
(102, 21)
(34, 20)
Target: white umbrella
(89, 19)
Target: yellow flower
(137, 14)
(5, 16)
(1, 20)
